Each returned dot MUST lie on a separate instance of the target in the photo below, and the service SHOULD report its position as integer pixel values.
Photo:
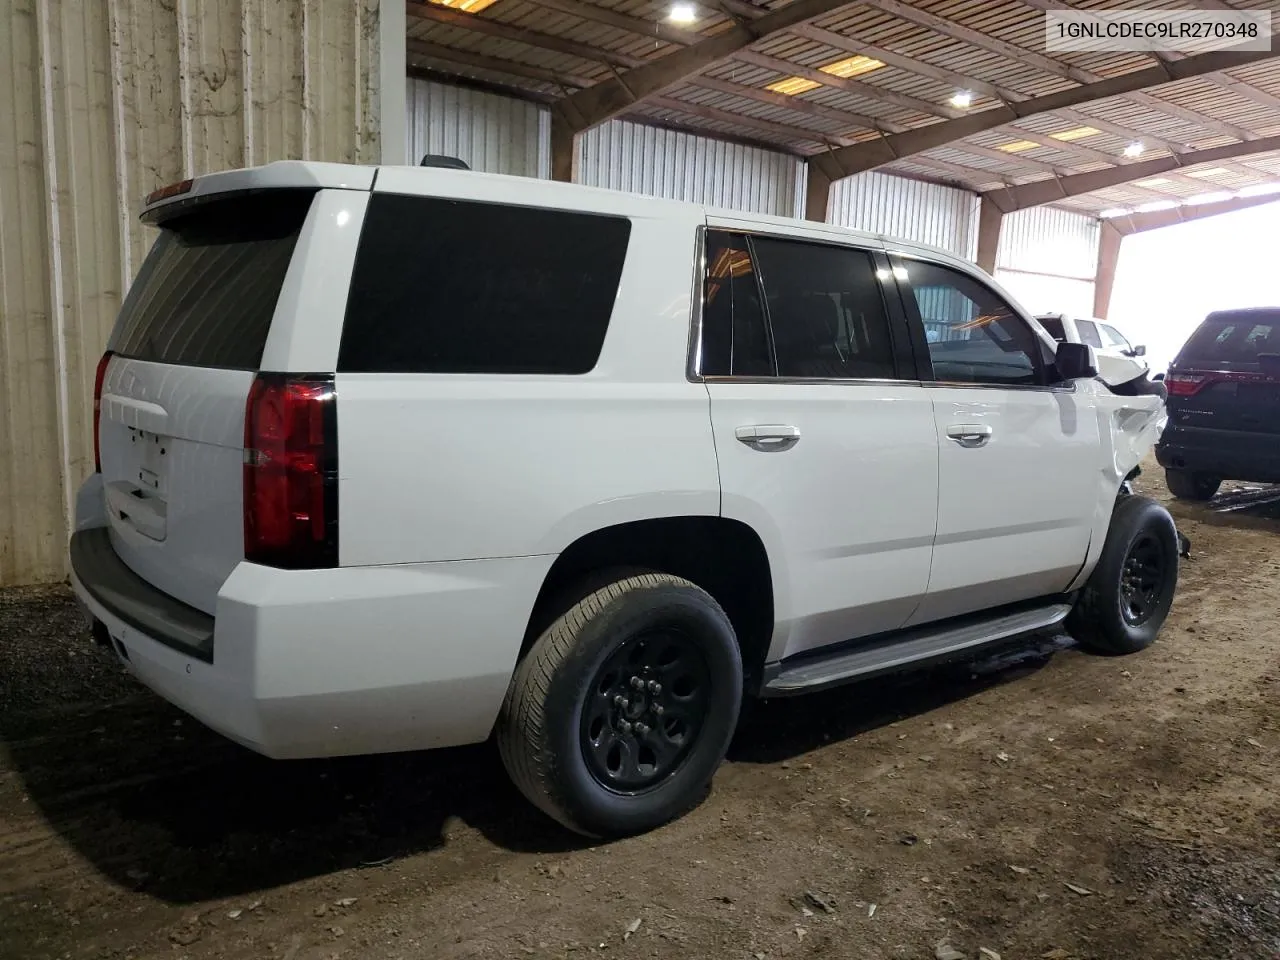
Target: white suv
(396, 458)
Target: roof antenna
(440, 160)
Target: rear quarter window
(207, 291)
(449, 286)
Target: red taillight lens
(291, 471)
(1185, 384)
(98, 378)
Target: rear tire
(1127, 598)
(1189, 485)
(620, 713)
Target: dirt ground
(1041, 804)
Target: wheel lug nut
(657, 710)
(637, 683)
(655, 686)
(621, 701)
(625, 726)
(641, 729)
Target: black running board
(932, 642)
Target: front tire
(1127, 598)
(1188, 485)
(619, 715)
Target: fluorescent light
(1259, 190)
(852, 66)
(1113, 212)
(1211, 172)
(962, 99)
(466, 6)
(1134, 149)
(792, 85)
(1216, 197)
(1017, 146)
(1155, 205)
(1075, 133)
(1151, 182)
(682, 13)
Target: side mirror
(1158, 376)
(1076, 361)
(1139, 351)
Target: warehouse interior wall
(490, 132)
(101, 102)
(932, 213)
(1048, 258)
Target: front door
(823, 449)
(1018, 478)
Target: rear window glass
(1235, 340)
(1053, 326)
(448, 286)
(206, 293)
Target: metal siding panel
(492, 133)
(1049, 241)
(681, 166)
(908, 209)
(99, 104)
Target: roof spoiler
(440, 160)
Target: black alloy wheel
(648, 703)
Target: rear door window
(207, 291)
(450, 286)
(735, 337)
(1053, 326)
(826, 310)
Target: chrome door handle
(768, 438)
(969, 434)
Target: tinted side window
(1089, 333)
(207, 291)
(974, 335)
(447, 286)
(1053, 327)
(826, 311)
(1233, 341)
(735, 339)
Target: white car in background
(1119, 362)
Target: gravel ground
(1040, 804)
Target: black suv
(1224, 404)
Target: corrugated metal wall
(491, 133)
(946, 217)
(1047, 259)
(681, 166)
(101, 101)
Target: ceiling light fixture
(1155, 205)
(962, 99)
(682, 13)
(1113, 212)
(1134, 149)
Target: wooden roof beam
(1027, 195)
(851, 160)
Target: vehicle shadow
(156, 802)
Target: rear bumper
(310, 663)
(1230, 454)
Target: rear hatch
(181, 361)
(1227, 377)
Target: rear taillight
(291, 471)
(1185, 384)
(98, 378)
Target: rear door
(825, 449)
(1227, 376)
(189, 339)
(1017, 475)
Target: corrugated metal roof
(988, 43)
